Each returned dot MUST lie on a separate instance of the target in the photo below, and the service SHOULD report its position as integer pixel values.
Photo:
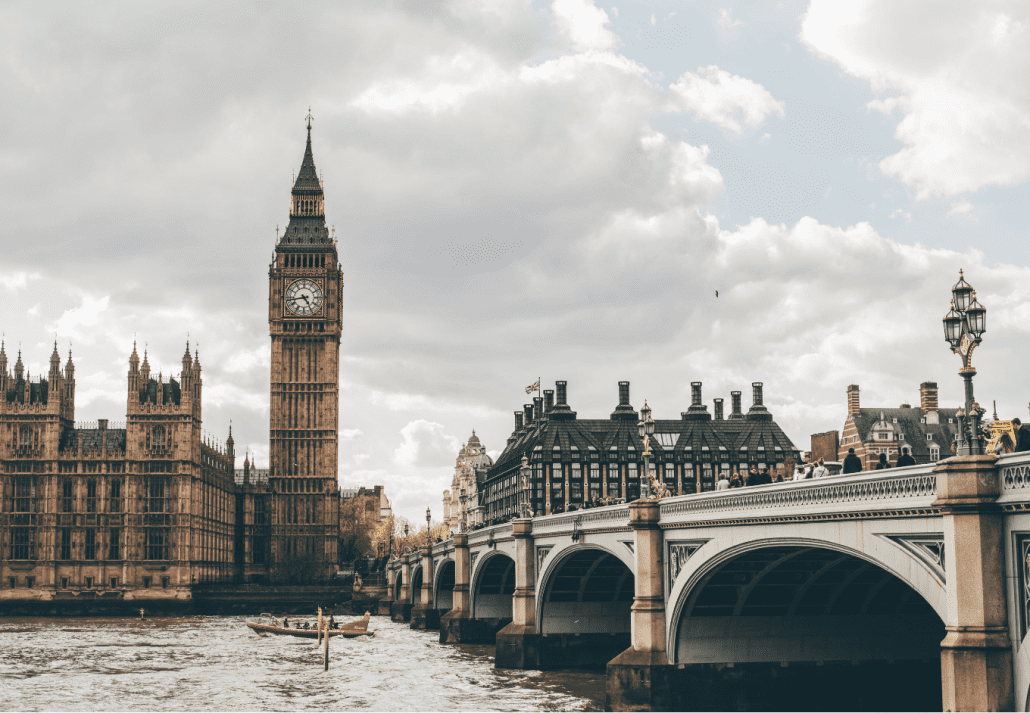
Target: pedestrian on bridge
(905, 458)
(724, 482)
(852, 463)
(882, 464)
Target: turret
(230, 445)
(187, 368)
(69, 388)
(3, 370)
(144, 372)
(19, 368)
(134, 385)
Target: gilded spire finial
(309, 119)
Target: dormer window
(929, 436)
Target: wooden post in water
(325, 650)
(318, 637)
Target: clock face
(303, 297)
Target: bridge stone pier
(906, 589)
(424, 614)
(400, 571)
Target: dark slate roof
(257, 476)
(687, 439)
(38, 392)
(909, 423)
(171, 392)
(305, 230)
(92, 439)
(307, 180)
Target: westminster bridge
(913, 577)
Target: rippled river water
(217, 663)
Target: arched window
(25, 436)
(159, 437)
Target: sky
(521, 190)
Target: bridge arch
(443, 589)
(585, 589)
(838, 617)
(415, 593)
(493, 586)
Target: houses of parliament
(150, 508)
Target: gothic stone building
(139, 511)
(470, 469)
(575, 460)
(148, 509)
(305, 301)
(927, 431)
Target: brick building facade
(927, 431)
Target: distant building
(362, 510)
(470, 471)
(928, 431)
(825, 446)
(574, 460)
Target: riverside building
(575, 460)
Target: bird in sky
(717, 293)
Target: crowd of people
(307, 624)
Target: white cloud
(725, 99)
(87, 314)
(426, 445)
(16, 280)
(962, 207)
(350, 434)
(726, 20)
(583, 25)
(960, 71)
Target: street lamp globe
(962, 292)
(953, 326)
(977, 316)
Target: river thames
(217, 663)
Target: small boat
(349, 630)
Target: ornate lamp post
(646, 430)
(464, 499)
(429, 540)
(406, 543)
(525, 506)
(964, 326)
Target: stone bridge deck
(908, 564)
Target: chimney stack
(538, 406)
(735, 411)
(518, 420)
(528, 410)
(853, 406)
(927, 396)
(561, 395)
(758, 411)
(697, 411)
(548, 400)
(624, 412)
(718, 409)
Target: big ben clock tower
(305, 285)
